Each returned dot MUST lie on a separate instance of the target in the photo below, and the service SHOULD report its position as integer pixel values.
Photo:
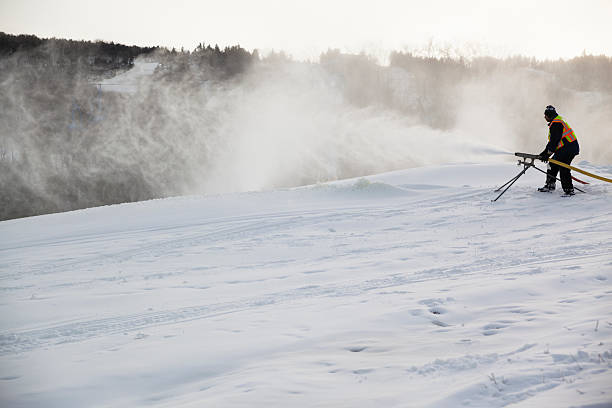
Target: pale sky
(304, 29)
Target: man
(563, 144)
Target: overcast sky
(544, 29)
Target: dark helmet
(550, 111)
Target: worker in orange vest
(563, 144)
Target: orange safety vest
(568, 132)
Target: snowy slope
(128, 81)
(406, 289)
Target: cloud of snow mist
(291, 126)
(288, 124)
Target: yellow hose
(567, 166)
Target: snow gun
(528, 161)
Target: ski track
(15, 342)
(247, 227)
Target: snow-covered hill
(128, 81)
(406, 289)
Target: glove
(544, 156)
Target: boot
(548, 188)
(568, 192)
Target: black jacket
(556, 131)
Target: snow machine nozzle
(527, 156)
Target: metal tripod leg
(510, 183)
(558, 179)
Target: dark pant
(553, 169)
